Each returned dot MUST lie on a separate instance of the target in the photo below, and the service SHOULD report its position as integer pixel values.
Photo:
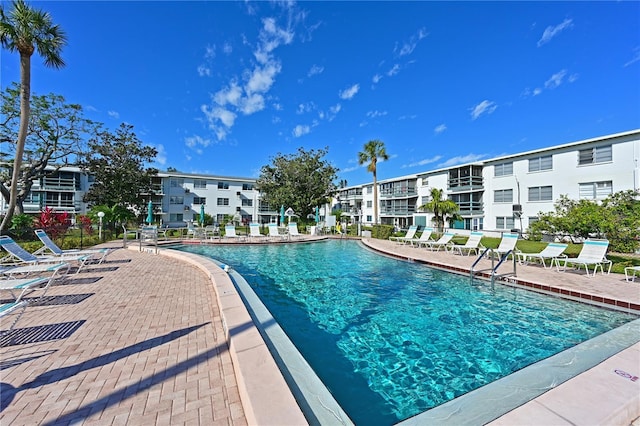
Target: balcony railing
(398, 193)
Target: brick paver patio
(136, 340)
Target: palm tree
(373, 150)
(441, 209)
(26, 30)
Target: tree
(56, 135)
(117, 163)
(374, 150)
(26, 30)
(623, 225)
(616, 218)
(443, 210)
(301, 181)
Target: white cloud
(251, 104)
(555, 80)
(469, 158)
(315, 70)
(305, 108)
(439, 129)
(161, 156)
(229, 95)
(374, 114)
(409, 46)
(301, 130)
(636, 57)
(394, 70)
(248, 98)
(204, 71)
(350, 92)
(550, 32)
(423, 162)
(195, 141)
(484, 107)
(219, 114)
(376, 78)
(262, 78)
(113, 114)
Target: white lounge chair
(593, 253)
(552, 251)
(424, 238)
(230, 233)
(472, 245)
(442, 242)
(630, 273)
(507, 246)
(20, 257)
(50, 247)
(292, 228)
(411, 233)
(254, 232)
(274, 233)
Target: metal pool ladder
(494, 267)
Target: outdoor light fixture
(100, 216)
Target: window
(504, 169)
(425, 182)
(369, 218)
(539, 164)
(223, 201)
(247, 203)
(247, 186)
(503, 196)
(503, 222)
(223, 185)
(175, 182)
(596, 190)
(540, 193)
(175, 217)
(200, 184)
(533, 219)
(369, 189)
(597, 154)
(369, 204)
(199, 200)
(174, 199)
(220, 218)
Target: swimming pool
(391, 339)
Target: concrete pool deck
(143, 339)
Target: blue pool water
(391, 339)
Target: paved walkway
(137, 340)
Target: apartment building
(508, 193)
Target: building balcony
(399, 193)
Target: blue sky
(222, 87)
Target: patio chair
(292, 228)
(22, 280)
(593, 253)
(630, 273)
(424, 238)
(254, 232)
(230, 233)
(275, 233)
(507, 246)
(472, 245)
(442, 242)
(50, 247)
(411, 233)
(551, 252)
(19, 256)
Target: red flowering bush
(53, 223)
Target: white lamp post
(100, 216)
